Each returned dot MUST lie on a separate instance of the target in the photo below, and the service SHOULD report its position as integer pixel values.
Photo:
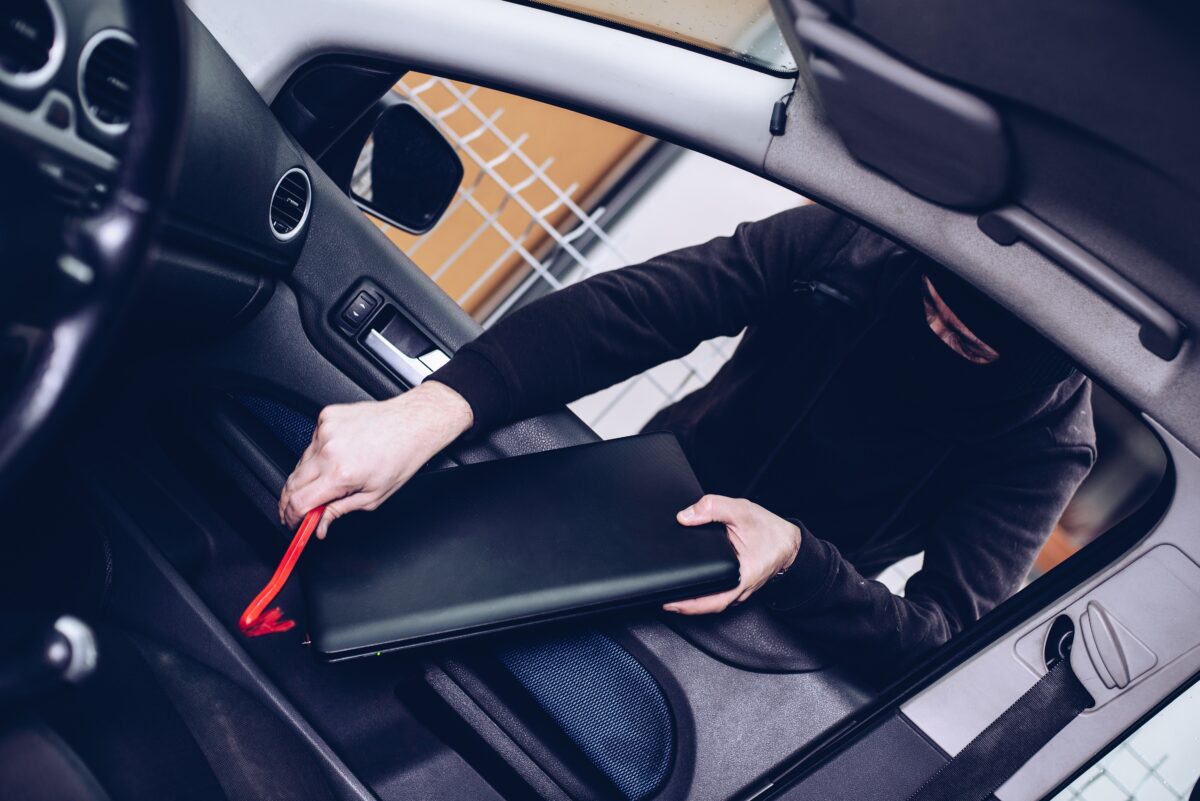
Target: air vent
(289, 204)
(32, 42)
(107, 68)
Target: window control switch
(359, 309)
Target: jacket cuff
(808, 577)
(482, 386)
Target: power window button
(359, 309)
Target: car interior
(194, 269)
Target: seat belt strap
(1010, 740)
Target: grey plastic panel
(769, 716)
(1138, 621)
(886, 764)
(1159, 602)
(936, 139)
(667, 91)
(1160, 332)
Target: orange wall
(585, 151)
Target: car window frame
(720, 55)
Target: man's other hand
(764, 542)
(361, 453)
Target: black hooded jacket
(840, 409)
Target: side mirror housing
(396, 165)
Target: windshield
(741, 29)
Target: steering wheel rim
(103, 255)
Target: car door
(713, 710)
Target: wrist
(451, 408)
(793, 551)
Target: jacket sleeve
(616, 324)
(979, 551)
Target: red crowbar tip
(254, 621)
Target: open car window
(744, 30)
(551, 197)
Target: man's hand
(363, 452)
(765, 544)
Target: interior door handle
(412, 370)
(1160, 332)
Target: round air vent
(107, 68)
(289, 204)
(32, 42)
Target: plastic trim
(27, 81)
(712, 52)
(710, 105)
(292, 234)
(110, 128)
(1160, 332)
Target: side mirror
(406, 173)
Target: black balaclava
(1025, 357)
(931, 386)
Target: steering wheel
(68, 278)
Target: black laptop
(492, 546)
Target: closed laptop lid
(511, 542)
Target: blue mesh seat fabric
(602, 698)
(293, 429)
(605, 701)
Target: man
(877, 407)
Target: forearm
(545, 355)
(619, 323)
(609, 327)
(823, 597)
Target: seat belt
(1010, 740)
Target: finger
(321, 492)
(340, 508)
(748, 591)
(705, 605)
(305, 471)
(709, 509)
(335, 510)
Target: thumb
(333, 511)
(709, 509)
